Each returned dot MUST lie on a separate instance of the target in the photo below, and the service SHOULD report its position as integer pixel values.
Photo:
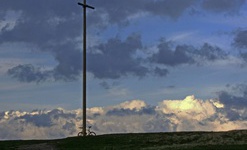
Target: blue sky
(150, 50)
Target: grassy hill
(231, 140)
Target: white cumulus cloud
(189, 114)
(189, 108)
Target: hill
(231, 140)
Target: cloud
(127, 112)
(68, 68)
(113, 9)
(240, 43)
(235, 101)
(189, 107)
(115, 58)
(196, 114)
(28, 73)
(135, 104)
(235, 97)
(134, 107)
(185, 54)
(240, 39)
(210, 53)
(222, 6)
(109, 85)
(109, 11)
(69, 61)
(105, 85)
(229, 99)
(161, 72)
(170, 8)
(38, 124)
(189, 114)
(167, 56)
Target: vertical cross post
(84, 77)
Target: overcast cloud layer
(189, 114)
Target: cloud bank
(54, 28)
(189, 114)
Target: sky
(172, 59)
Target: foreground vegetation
(232, 140)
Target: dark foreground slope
(232, 140)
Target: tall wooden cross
(84, 78)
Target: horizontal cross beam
(85, 5)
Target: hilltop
(149, 141)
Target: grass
(233, 140)
(12, 145)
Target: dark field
(232, 140)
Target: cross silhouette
(84, 77)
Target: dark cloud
(235, 101)
(46, 120)
(160, 71)
(127, 112)
(28, 73)
(232, 100)
(105, 85)
(171, 87)
(240, 42)
(68, 68)
(240, 39)
(69, 62)
(116, 58)
(210, 53)
(37, 9)
(110, 10)
(170, 8)
(186, 54)
(222, 6)
(108, 84)
(233, 115)
(234, 105)
(167, 56)
(243, 55)
(159, 125)
(41, 120)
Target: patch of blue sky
(152, 29)
(57, 93)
